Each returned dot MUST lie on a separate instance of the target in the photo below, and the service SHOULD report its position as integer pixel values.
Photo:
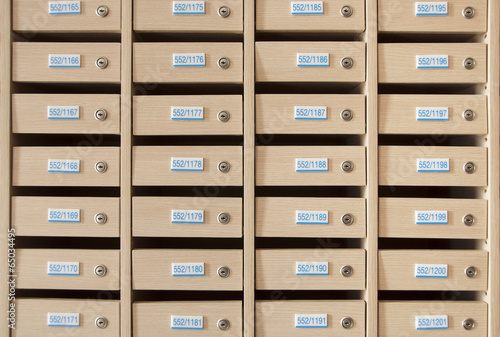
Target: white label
(311, 165)
(431, 270)
(438, 322)
(432, 61)
(63, 112)
(187, 216)
(64, 61)
(188, 269)
(310, 112)
(64, 165)
(431, 217)
(433, 165)
(313, 60)
(63, 215)
(189, 60)
(63, 319)
(311, 321)
(190, 113)
(188, 7)
(63, 268)
(64, 7)
(311, 217)
(186, 322)
(306, 7)
(432, 113)
(431, 8)
(186, 164)
(311, 268)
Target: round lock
(100, 114)
(223, 167)
(469, 115)
(223, 63)
(223, 324)
(100, 218)
(347, 166)
(102, 11)
(223, 272)
(347, 62)
(347, 219)
(469, 167)
(469, 220)
(346, 115)
(223, 116)
(101, 166)
(469, 63)
(223, 218)
(347, 322)
(346, 271)
(100, 270)
(468, 12)
(471, 272)
(101, 322)
(346, 11)
(468, 324)
(101, 62)
(224, 11)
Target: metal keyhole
(223, 324)
(347, 62)
(346, 115)
(102, 11)
(101, 322)
(468, 324)
(469, 115)
(223, 272)
(347, 166)
(223, 218)
(471, 272)
(347, 219)
(224, 167)
(347, 322)
(469, 167)
(101, 114)
(101, 62)
(223, 63)
(468, 12)
(100, 270)
(100, 218)
(223, 116)
(469, 63)
(101, 166)
(346, 11)
(224, 11)
(469, 220)
(346, 271)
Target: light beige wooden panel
(277, 318)
(153, 62)
(151, 165)
(397, 318)
(397, 218)
(31, 317)
(30, 216)
(30, 62)
(30, 166)
(152, 269)
(157, 16)
(397, 269)
(276, 16)
(398, 166)
(275, 269)
(276, 217)
(29, 114)
(152, 216)
(398, 63)
(275, 165)
(31, 269)
(33, 15)
(153, 319)
(152, 115)
(398, 114)
(277, 62)
(400, 17)
(275, 114)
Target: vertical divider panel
(249, 169)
